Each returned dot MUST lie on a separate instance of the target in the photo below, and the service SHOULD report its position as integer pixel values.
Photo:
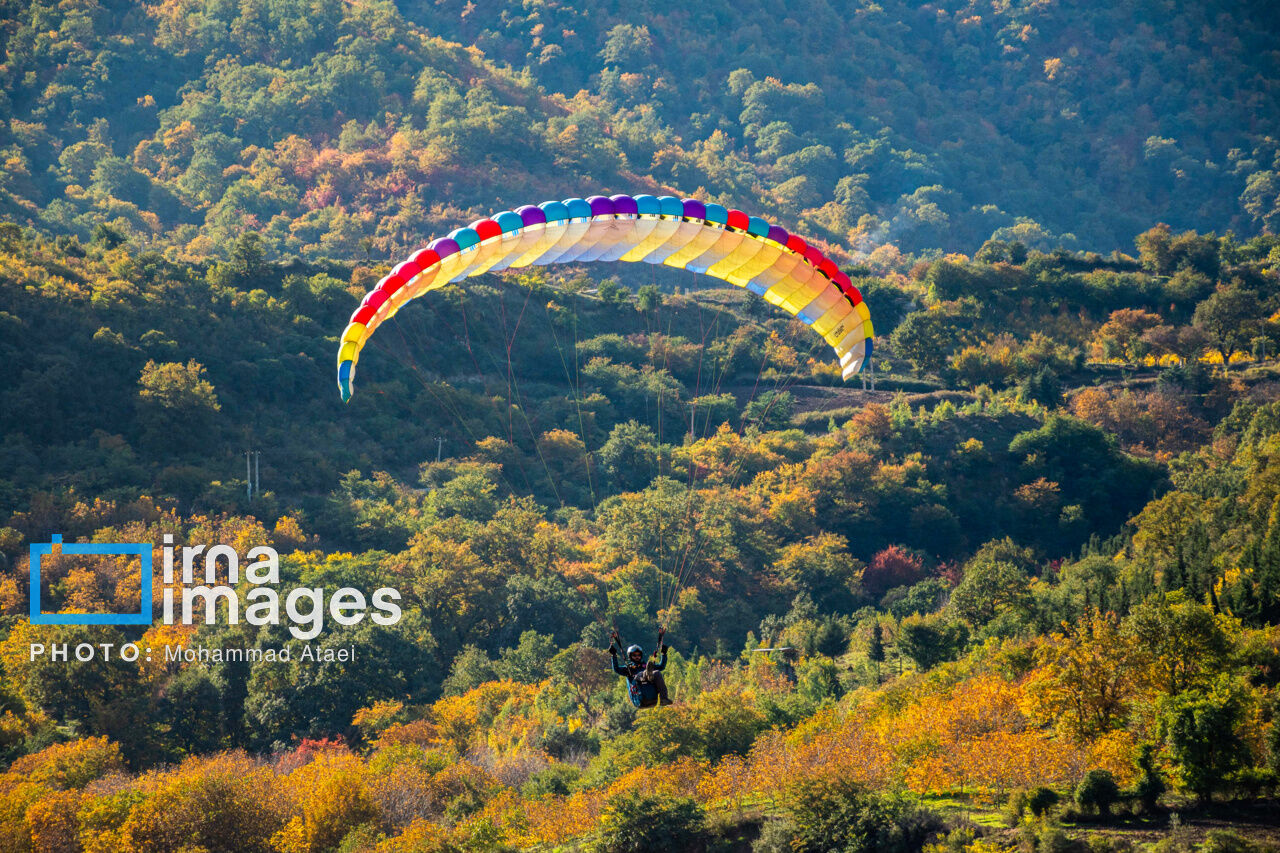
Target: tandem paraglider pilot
(645, 684)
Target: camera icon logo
(142, 550)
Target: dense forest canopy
(1017, 588)
(339, 129)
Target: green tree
(992, 252)
(728, 725)
(822, 567)
(995, 581)
(1089, 469)
(1200, 729)
(771, 411)
(177, 387)
(1182, 643)
(1042, 387)
(548, 605)
(178, 404)
(105, 235)
(875, 646)
(1097, 792)
(191, 708)
(611, 292)
(1154, 249)
(630, 455)
(922, 597)
(830, 639)
(469, 495)
(295, 699)
(1261, 200)
(11, 236)
(627, 45)
(471, 668)
(249, 259)
(114, 177)
(818, 680)
(1273, 737)
(931, 639)
(1229, 319)
(658, 739)
(948, 280)
(710, 410)
(527, 661)
(648, 298)
(107, 698)
(924, 338)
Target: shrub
(1249, 782)
(1149, 785)
(638, 823)
(1226, 841)
(1054, 840)
(775, 837)
(1041, 800)
(556, 779)
(839, 814)
(224, 802)
(71, 765)
(1016, 809)
(1097, 792)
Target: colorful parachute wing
(706, 238)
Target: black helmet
(633, 649)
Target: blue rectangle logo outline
(142, 550)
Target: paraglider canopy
(704, 237)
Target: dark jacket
(630, 670)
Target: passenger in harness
(645, 684)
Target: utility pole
(252, 484)
(439, 447)
(868, 372)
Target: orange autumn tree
(1084, 682)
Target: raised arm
(615, 642)
(662, 648)
(621, 670)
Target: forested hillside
(343, 128)
(1042, 553)
(1017, 588)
